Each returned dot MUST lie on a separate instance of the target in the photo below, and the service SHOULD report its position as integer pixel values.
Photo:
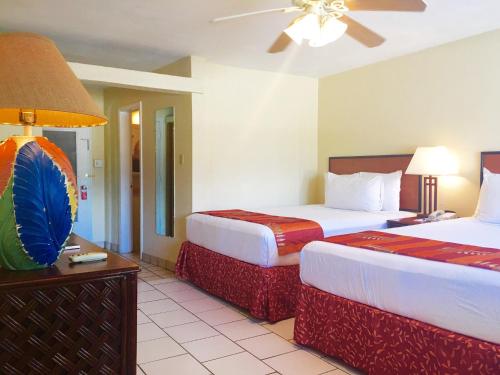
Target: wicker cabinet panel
(73, 328)
(69, 319)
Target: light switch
(181, 159)
(98, 163)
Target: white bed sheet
(458, 298)
(255, 243)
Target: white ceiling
(147, 34)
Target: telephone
(440, 215)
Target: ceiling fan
(324, 21)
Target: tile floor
(183, 330)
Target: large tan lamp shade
(38, 88)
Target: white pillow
(354, 192)
(488, 208)
(392, 189)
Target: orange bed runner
(291, 233)
(448, 252)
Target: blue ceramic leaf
(41, 204)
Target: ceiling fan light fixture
(331, 29)
(304, 27)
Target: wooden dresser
(70, 319)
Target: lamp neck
(28, 130)
(28, 119)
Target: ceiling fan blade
(280, 44)
(361, 33)
(387, 5)
(284, 10)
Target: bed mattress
(255, 243)
(461, 299)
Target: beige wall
(254, 138)
(114, 99)
(447, 95)
(249, 141)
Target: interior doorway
(77, 146)
(131, 179)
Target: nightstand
(407, 221)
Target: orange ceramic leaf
(58, 156)
(7, 156)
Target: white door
(76, 144)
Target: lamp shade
(304, 27)
(432, 161)
(35, 77)
(331, 30)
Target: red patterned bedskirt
(268, 293)
(379, 342)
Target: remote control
(88, 257)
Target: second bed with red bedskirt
(382, 343)
(267, 293)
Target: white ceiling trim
(134, 79)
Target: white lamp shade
(331, 30)
(306, 27)
(432, 161)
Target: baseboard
(156, 261)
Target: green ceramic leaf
(12, 255)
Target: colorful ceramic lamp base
(38, 202)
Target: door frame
(125, 242)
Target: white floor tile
(139, 371)
(299, 363)
(201, 305)
(157, 280)
(149, 331)
(160, 306)
(241, 329)
(342, 365)
(283, 328)
(145, 273)
(212, 348)
(153, 350)
(143, 286)
(335, 372)
(163, 273)
(173, 318)
(142, 318)
(150, 295)
(174, 286)
(186, 295)
(190, 332)
(267, 346)
(220, 316)
(241, 364)
(181, 365)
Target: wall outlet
(98, 163)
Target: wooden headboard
(411, 186)
(491, 161)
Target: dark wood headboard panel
(411, 186)
(491, 161)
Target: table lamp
(431, 162)
(38, 188)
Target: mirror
(164, 122)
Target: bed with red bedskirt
(267, 293)
(240, 261)
(417, 300)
